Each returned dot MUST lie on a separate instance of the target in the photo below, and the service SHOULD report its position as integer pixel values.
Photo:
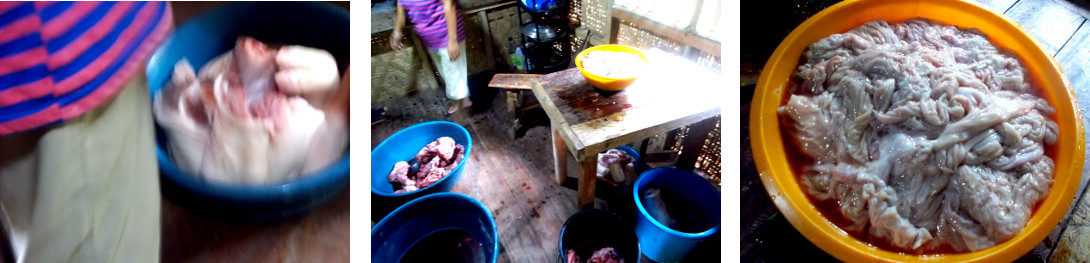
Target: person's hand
(453, 49)
(308, 72)
(395, 41)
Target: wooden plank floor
(1074, 58)
(320, 235)
(1064, 33)
(512, 177)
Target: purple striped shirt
(430, 22)
(59, 60)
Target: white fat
(925, 135)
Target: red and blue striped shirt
(430, 22)
(59, 60)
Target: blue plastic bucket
(392, 237)
(682, 190)
(592, 229)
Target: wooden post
(691, 146)
(614, 28)
(513, 105)
(587, 179)
(482, 19)
(560, 156)
(643, 147)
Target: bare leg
(466, 103)
(453, 107)
(459, 104)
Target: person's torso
(61, 59)
(429, 22)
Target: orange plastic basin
(608, 83)
(790, 198)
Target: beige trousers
(86, 190)
(454, 73)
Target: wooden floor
(512, 177)
(321, 235)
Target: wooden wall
(398, 73)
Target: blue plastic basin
(398, 232)
(313, 24)
(660, 243)
(404, 145)
(593, 229)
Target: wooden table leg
(512, 106)
(587, 179)
(560, 154)
(512, 97)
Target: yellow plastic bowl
(769, 147)
(608, 83)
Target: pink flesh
(268, 106)
(237, 102)
(195, 110)
(252, 65)
(256, 66)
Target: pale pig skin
(231, 123)
(617, 165)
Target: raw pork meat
(603, 255)
(606, 255)
(253, 115)
(436, 160)
(923, 134)
(616, 165)
(572, 257)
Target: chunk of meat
(294, 128)
(431, 172)
(239, 145)
(571, 257)
(229, 123)
(427, 153)
(220, 65)
(445, 148)
(459, 154)
(606, 255)
(400, 174)
(328, 144)
(812, 126)
(617, 165)
(924, 135)
(256, 66)
(177, 108)
(433, 165)
(442, 147)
